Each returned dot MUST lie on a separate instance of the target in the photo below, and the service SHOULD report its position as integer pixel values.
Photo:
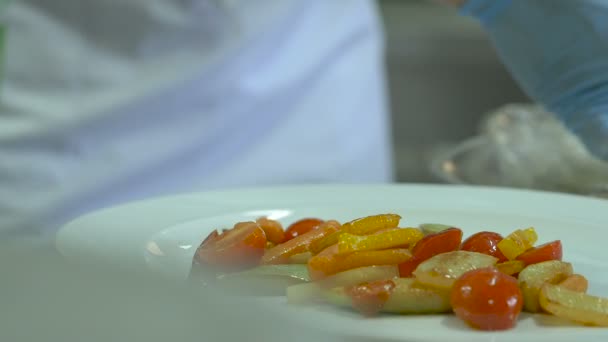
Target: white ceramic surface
(162, 234)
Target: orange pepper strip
(371, 224)
(387, 239)
(329, 261)
(300, 244)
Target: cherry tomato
(487, 299)
(369, 298)
(239, 247)
(273, 230)
(445, 241)
(301, 227)
(486, 243)
(548, 251)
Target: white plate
(162, 234)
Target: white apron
(106, 101)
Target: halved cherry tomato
(487, 299)
(273, 229)
(301, 227)
(486, 243)
(239, 247)
(369, 298)
(280, 253)
(429, 246)
(548, 251)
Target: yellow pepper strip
(317, 246)
(517, 242)
(511, 267)
(371, 224)
(383, 240)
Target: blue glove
(557, 50)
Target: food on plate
(263, 280)
(442, 270)
(433, 244)
(374, 266)
(511, 267)
(404, 296)
(432, 228)
(533, 277)
(517, 242)
(573, 305)
(484, 242)
(301, 227)
(487, 299)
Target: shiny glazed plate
(162, 234)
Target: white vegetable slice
(576, 306)
(408, 297)
(306, 293)
(533, 277)
(360, 275)
(442, 270)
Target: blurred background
(440, 64)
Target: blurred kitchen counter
(443, 76)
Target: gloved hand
(557, 50)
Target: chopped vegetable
(372, 265)
(300, 227)
(317, 246)
(533, 277)
(432, 228)
(369, 298)
(486, 243)
(442, 270)
(517, 242)
(331, 262)
(575, 282)
(371, 224)
(546, 252)
(407, 297)
(304, 293)
(576, 306)
(301, 258)
(511, 267)
(273, 230)
(360, 275)
(429, 246)
(487, 299)
(237, 248)
(264, 280)
(382, 240)
(280, 254)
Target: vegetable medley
(374, 266)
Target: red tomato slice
(239, 247)
(273, 230)
(487, 299)
(429, 246)
(302, 227)
(486, 243)
(548, 251)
